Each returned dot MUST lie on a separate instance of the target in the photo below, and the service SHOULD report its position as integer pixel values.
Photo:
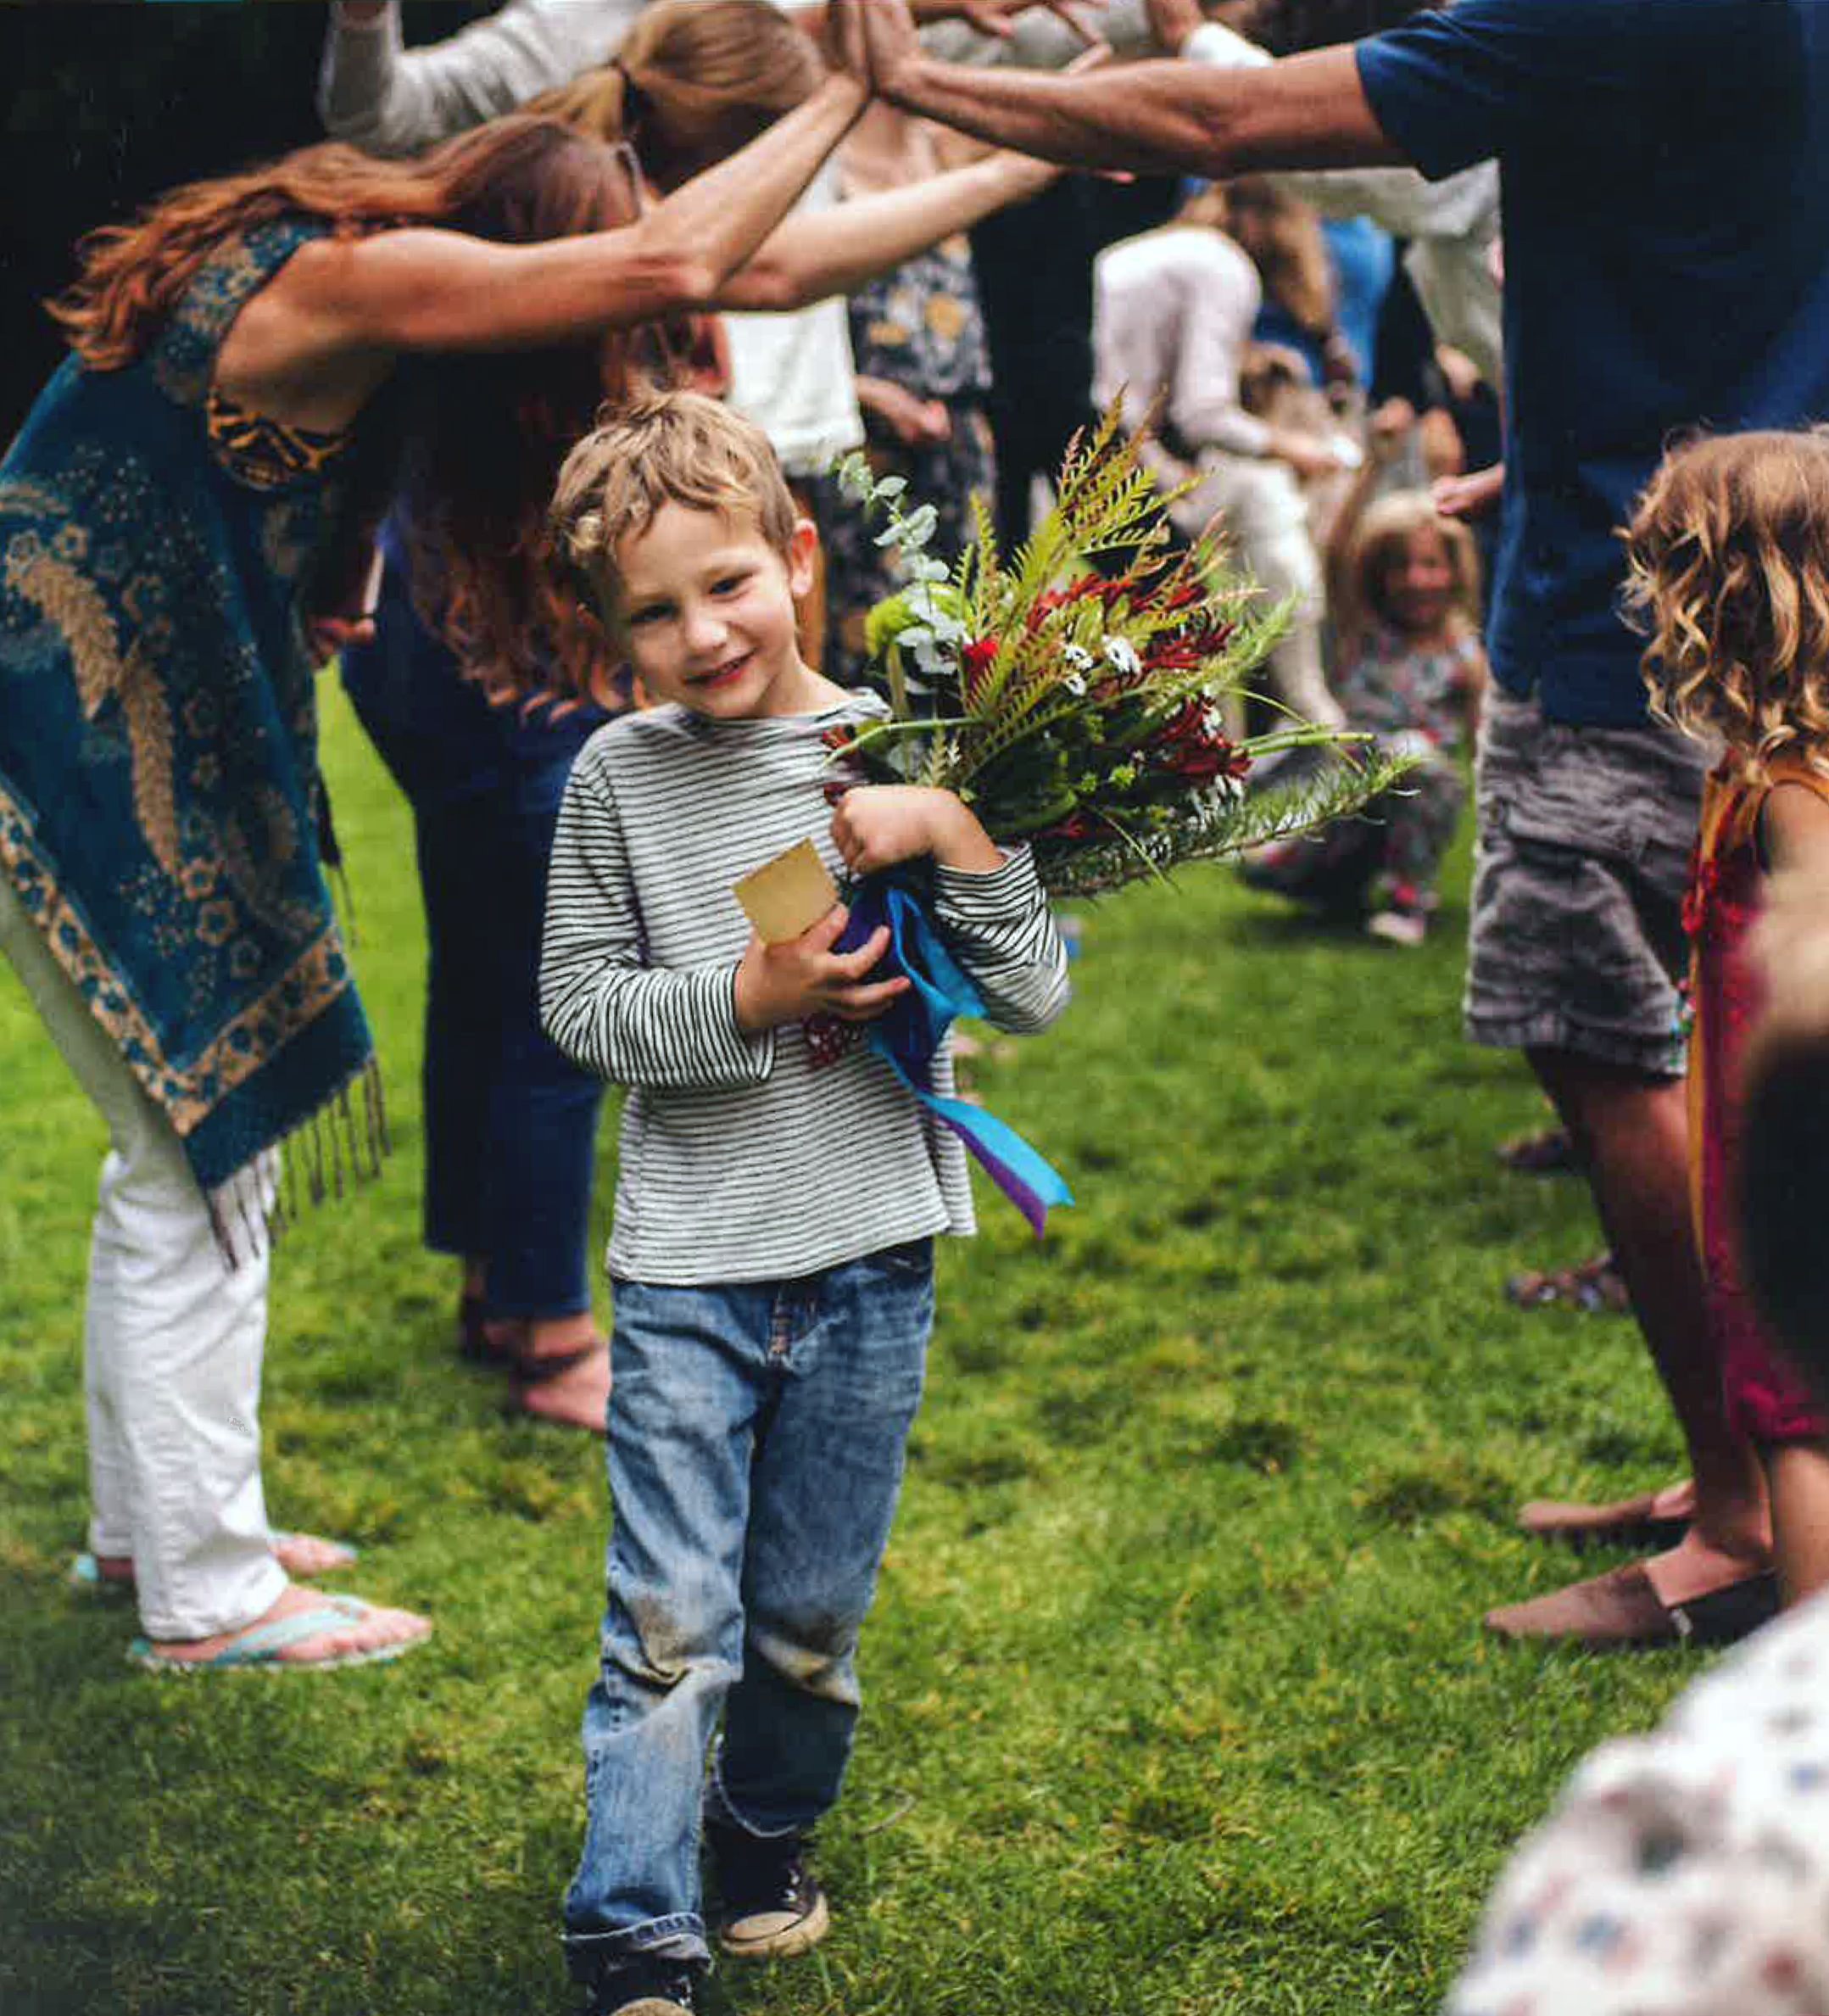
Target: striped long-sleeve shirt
(740, 1159)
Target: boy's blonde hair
(664, 448)
(1727, 572)
(1379, 540)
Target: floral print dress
(919, 327)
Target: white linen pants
(173, 1339)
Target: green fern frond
(1227, 826)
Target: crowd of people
(521, 396)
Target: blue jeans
(756, 1442)
(510, 1124)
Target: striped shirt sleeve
(609, 1012)
(998, 925)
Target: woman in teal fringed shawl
(258, 364)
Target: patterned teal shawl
(159, 794)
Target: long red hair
(472, 441)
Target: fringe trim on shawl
(259, 1203)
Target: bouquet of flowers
(1077, 708)
(1084, 710)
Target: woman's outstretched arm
(1307, 111)
(836, 251)
(310, 348)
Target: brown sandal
(1595, 1287)
(1625, 1523)
(1621, 1609)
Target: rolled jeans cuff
(680, 1936)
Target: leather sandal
(1621, 1609)
(1634, 1522)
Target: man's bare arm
(1307, 111)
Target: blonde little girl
(1404, 596)
(1729, 573)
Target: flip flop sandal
(1621, 1609)
(1547, 1152)
(260, 1648)
(1595, 1287)
(86, 1571)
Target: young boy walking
(775, 1213)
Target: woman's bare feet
(562, 1369)
(360, 1631)
(303, 1556)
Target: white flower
(1077, 657)
(1075, 685)
(1122, 657)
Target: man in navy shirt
(1667, 266)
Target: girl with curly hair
(1729, 575)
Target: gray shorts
(1586, 834)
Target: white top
(1173, 309)
(741, 1159)
(791, 373)
(1453, 225)
(1684, 1873)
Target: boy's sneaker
(772, 1905)
(646, 1985)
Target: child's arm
(614, 1015)
(1384, 437)
(989, 905)
(605, 1009)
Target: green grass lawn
(1178, 1703)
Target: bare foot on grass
(562, 1369)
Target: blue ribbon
(907, 1036)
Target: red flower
(1186, 746)
(975, 660)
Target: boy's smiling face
(706, 613)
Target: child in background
(1729, 556)
(1404, 596)
(772, 1246)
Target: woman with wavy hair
(510, 1124)
(255, 360)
